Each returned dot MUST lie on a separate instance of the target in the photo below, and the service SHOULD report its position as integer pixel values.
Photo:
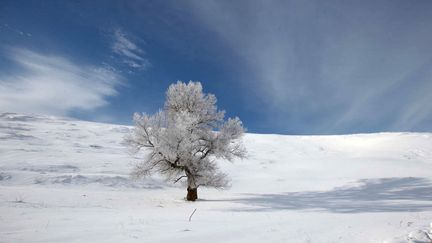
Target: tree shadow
(409, 194)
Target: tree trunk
(192, 189)
(192, 194)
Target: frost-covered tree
(185, 139)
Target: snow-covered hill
(67, 181)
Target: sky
(285, 67)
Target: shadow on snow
(408, 194)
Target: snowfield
(65, 180)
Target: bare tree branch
(179, 178)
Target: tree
(185, 139)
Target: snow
(64, 180)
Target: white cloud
(128, 51)
(54, 85)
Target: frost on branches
(186, 138)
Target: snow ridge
(68, 180)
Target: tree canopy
(186, 139)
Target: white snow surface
(64, 180)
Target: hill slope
(65, 180)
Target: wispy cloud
(129, 52)
(7, 27)
(52, 84)
(325, 67)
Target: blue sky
(290, 67)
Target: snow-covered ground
(67, 181)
